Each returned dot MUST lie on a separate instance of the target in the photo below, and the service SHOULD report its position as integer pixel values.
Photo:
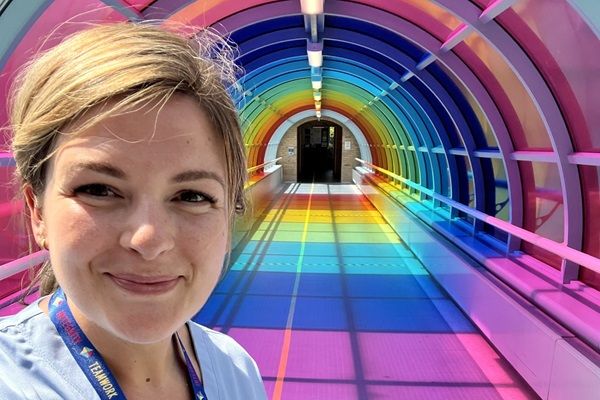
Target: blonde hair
(120, 67)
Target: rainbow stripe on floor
(333, 305)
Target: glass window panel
(444, 173)
(542, 206)
(527, 131)
(502, 200)
(403, 164)
(467, 195)
(427, 175)
(470, 183)
(439, 22)
(415, 167)
(13, 239)
(568, 58)
(13, 243)
(490, 139)
(590, 179)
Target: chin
(146, 330)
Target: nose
(148, 230)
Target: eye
(190, 196)
(96, 190)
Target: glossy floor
(333, 305)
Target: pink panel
(139, 4)
(207, 13)
(61, 18)
(543, 211)
(525, 124)
(49, 28)
(483, 3)
(13, 241)
(319, 391)
(460, 364)
(568, 58)
(18, 305)
(12, 285)
(426, 14)
(12, 232)
(590, 178)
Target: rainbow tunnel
(424, 176)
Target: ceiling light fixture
(311, 7)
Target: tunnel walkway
(333, 305)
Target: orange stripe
(287, 334)
(285, 352)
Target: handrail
(21, 264)
(553, 247)
(257, 167)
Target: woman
(131, 160)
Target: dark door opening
(319, 152)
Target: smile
(145, 285)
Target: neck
(133, 364)
(137, 367)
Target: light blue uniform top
(36, 364)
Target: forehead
(176, 131)
(154, 121)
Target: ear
(35, 214)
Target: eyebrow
(100, 167)
(195, 175)
(110, 170)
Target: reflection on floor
(332, 305)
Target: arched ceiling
(491, 103)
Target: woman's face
(135, 218)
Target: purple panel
(163, 9)
(260, 344)
(425, 358)
(319, 391)
(320, 355)
(418, 392)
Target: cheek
(73, 232)
(206, 239)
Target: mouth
(145, 285)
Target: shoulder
(15, 332)
(17, 353)
(34, 362)
(225, 360)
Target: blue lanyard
(89, 359)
